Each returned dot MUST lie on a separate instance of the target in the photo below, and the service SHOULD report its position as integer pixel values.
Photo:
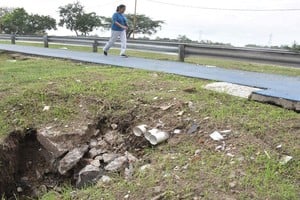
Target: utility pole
(134, 19)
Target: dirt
(28, 170)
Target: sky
(236, 27)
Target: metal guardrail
(183, 50)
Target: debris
(116, 164)
(140, 130)
(230, 155)
(71, 159)
(177, 131)
(108, 157)
(191, 106)
(145, 167)
(232, 184)
(158, 137)
(78, 81)
(285, 159)
(96, 163)
(19, 189)
(221, 147)
(126, 196)
(88, 175)
(93, 143)
(279, 146)
(95, 152)
(114, 126)
(128, 173)
(64, 48)
(131, 158)
(180, 113)
(164, 108)
(105, 179)
(197, 152)
(46, 108)
(267, 154)
(155, 98)
(206, 118)
(225, 131)
(193, 128)
(216, 136)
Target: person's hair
(120, 7)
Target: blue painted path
(277, 86)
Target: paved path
(274, 87)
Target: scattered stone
(114, 126)
(285, 159)
(88, 175)
(46, 139)
(230, 155)
(105, 179)
(113, 137)
(116, 164)
(145, 167)
(96, 163)
(46, 108)
(279, 146)
(131, 158)
(177, 131)
(108, 157)
(126, 196)
(197, 152)
(93, 143)
(128, 173)
(71, 159)
(232, 184)
(191, 106)
(98, 158)
(164, 108)
(193, 128)
(102, 144)
(95, 152)
(180, 113)
(19, 189)
(216, 136)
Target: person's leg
(112, 40)
(123, 39)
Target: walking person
(118, 30)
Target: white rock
(19, 189)
(145, 167)
(225, 131)
(105, 179)
(108, 157)
(177, 131)
(114, 126)
(96, 163)
(216, 136)
(131, 158)
(46, 108)
(285, 159)
(116, 164)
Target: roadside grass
(75, 91)
(223, 63)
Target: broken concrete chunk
(45, 138)
(285, 159)
(131, 158)
(113, 137)
(108, 157)
(116, 164)
(96, 163)
(93, 143)
(96, 152)
(193, 128)
(88, 175)
(71, 159)
(216, 136)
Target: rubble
(88, 175)
(216, 136)
(71, 159)
(116, 164)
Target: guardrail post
(46, 41)
(13, 39)
(181, 52)
(95, 46)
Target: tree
(74, 18)
(20, 22)
(144, 25)
(183, 38)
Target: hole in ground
(29, 168)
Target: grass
(228, 64)
(75, 91)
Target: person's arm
(120, 25)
